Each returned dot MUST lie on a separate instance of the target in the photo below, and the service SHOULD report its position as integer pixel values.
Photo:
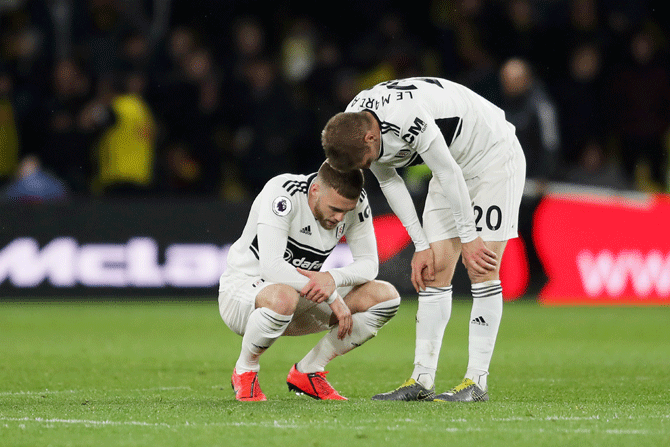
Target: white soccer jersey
(282, 205)
(411, 112)
(459, 135)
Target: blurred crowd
(212, 98)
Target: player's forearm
(360, 271)
(455, 190)
(273, 267)
(399, 199)
(456, 193)
(281, 272)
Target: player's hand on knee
(478, 258)
(423, 268)
(343, 315)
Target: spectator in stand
(205, 116)
(519, 30)
(64, 147)
(640, 109)
(9, 136)
(580, 99)
(528, 107)
(594, 168)
(265, 138)
(192, 109)
(125, 153)
(34, 185)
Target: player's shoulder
(363, 204)
(291, 184)
(363, 199)
(286, 194)
(361, 212)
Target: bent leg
(275, 305)
(485, 317)
(434, 312)
(372, 304)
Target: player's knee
(383, 291)
(444, 271)
(477, 277)
(280, 298)
(384, 306)
(490, 275)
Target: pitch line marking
(290, 425)
(86, 422)
(47, 391)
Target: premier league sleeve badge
(281, 206)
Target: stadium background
(212, 98)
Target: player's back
(473, 128)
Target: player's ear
(314, 188)
(369, 136)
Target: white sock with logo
(365, 326)
(431, 320)
(263, 328)
(487, 308)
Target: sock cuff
(381, 313)
(275, 320)
(386, 306)
(435, 293)
(486, 289)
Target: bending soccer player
(273, 286)
(471, 210)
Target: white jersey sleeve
(449, 174)
(276, 214)
(273, 267)
(399, 199)
(362, 242)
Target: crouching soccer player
(273, 286)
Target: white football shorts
(496, 198)
(237, 300)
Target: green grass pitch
(158, 374)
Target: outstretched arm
(400, 201)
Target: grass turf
(139, 374)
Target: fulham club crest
(281, 206)
(340, 231)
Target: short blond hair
(343, 139)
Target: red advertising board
(604, 250)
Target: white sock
(263, 328)
(487, 308)
(365, 326)
(431, 320)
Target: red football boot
(313, 384)
(246, 386)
